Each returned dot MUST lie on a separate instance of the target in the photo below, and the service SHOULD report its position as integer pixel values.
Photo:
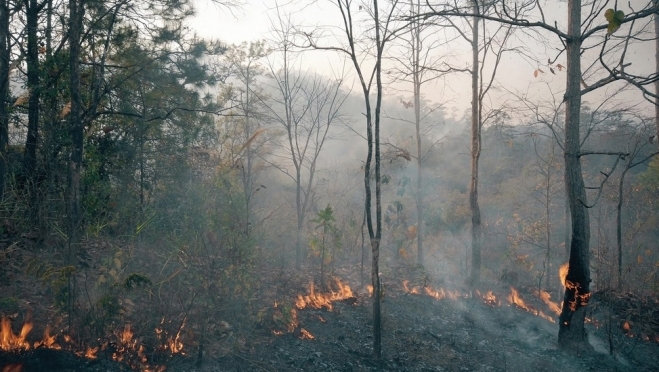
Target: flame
(9, 341)
(128, 349)
(91, 352)
(515, 299)
(489, 298)
(414, 290)
(562, 272)
(369, 288)
(626, 326)
(546, 298)
(277, 333)
(306, 335)
(319, 300)
(437, 294)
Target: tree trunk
(4, 91)
(548, 225)
(416, 77)
(619, 222)
(577, 293)
(476, 232)
(30, 154)
(656, 58)
(75, 167)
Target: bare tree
(636, 156)
(416, 64)
(577, 294)
(306, 106)
(382, 31)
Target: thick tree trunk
(31, 142)
(4, 91)
(577, 293)
(476, 231)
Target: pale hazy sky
(253, 22)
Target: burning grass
(319, 300)
(124, 347)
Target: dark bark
(75, 122)
(476, 230)
(656, 58)
(4, 90)
(32, 57)
(621, 185)
(577, 292)
(375, 240)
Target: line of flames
(489, 298)
(315, 300)
(319, 300)
(128, 349)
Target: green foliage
(614, 19)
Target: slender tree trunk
(375, 241)
(31, 142)
(476, 231)
(75, 167)
(4, 92)
(548, 226)
(416, 76)
(363, 250)
(656, 58)
(577, 293)
(619, 222)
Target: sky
(515, 76)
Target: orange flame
(10, 341)
(306, 335)
(546, 298)
(369, 288)
(319, 300)
(489, 298)
(437, 294)
(515, 299)
(562, 272)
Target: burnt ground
(420, 333)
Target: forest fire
(306, 335)
(126, 349)
(318, 300)
(562, 272)
(546, 298)
(489, 298)
(439, 294)
(516, 300)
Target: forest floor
(419, 333)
